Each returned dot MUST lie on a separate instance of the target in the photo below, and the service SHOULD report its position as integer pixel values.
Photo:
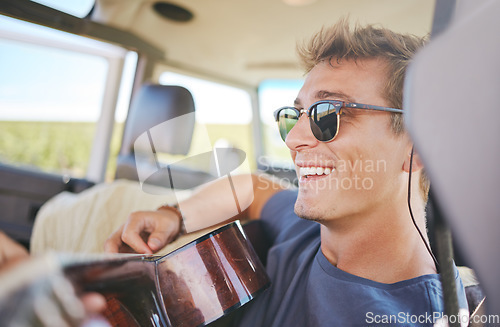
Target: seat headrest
(153, 105)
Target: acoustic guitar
(192, 286)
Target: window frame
(115, 57)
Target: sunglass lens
(286, 120)
(323, 121)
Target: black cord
(413, 218)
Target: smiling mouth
(306, 172)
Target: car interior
(161, 150)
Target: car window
(223, 116)
(51, 99)
(274, 94)
(78, 8)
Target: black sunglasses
(324, 117)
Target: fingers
(127, 239)
(93, 303)
(138, 224)
(144, 232)
(158, 240)
(113, 243)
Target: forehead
(360, 81)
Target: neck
(383, 246)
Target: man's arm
(211, 204)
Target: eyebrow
(323, 95)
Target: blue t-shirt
(307, 290)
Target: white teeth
(307, 171)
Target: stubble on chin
(306, 212)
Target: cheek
(370, 156)
(384, 163)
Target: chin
(308, 210)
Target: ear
(417, 164)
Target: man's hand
(11, 252)
(144, 232)
(211, 204)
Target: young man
(355, 258)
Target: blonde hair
(343, 42)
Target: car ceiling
(246, 41)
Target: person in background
(72, 310)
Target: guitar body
(191, 286)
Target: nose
(301, 136)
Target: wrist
(175, 209)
